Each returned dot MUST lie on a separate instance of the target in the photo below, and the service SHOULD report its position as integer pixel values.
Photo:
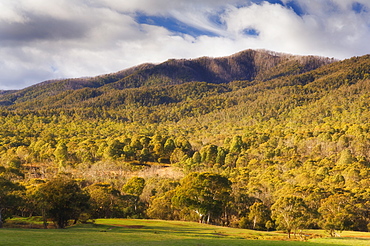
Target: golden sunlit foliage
(290, 134)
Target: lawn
(156, 232)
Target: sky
(52, 39)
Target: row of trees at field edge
(205, 197)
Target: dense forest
(258, 140)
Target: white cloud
(164, 7)
(42, 39)
(327, 29)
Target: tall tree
(63, 200)
(205, 193)
(105, 201)
(61, 153)
(338, 213)
(161, 207)
(8, 198)
(259, 214)
(290, 213)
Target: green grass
(347, 238)
(156, 232)
(25, 222)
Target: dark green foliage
(9, 199)
(105, 201)
(62, 199)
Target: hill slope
(286, 129)
(247, 65)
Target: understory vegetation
(287, 149)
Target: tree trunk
(201, 216)
(226, 219)
(1, 219)
(44, 219)
(60, 223)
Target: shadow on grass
(345, 238)
(137, 229)
(199, 236)
(224, 242)
(107, 235)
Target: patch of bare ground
(162, 172)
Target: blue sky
(43, 39)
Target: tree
(63, 200)
(345, 158)
(135, 143)
(337, 213)
(161, 207)
(259, 214)
(236, 144)
(105, 201)
(183, 144)
(8, 197)
(178, 155)
(238, 206)
(230, 160)
(205, 193)
(221, 155)
(114, 149)
(61, 152)
(169, 146)
(128, 152)
(145, 155)
(158, 150)
(290, 213)
(197, 158)
(209, 154)
(131, 198)
(134, 186)
(87, 151)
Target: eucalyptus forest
(258, 140)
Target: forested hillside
(98, 91)
(238, 141)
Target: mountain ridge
(245, 65)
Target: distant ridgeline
(266, 130)
(135, 84)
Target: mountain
(247, 65)
(282, 129)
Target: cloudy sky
(49, 39)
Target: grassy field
(156, 232)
